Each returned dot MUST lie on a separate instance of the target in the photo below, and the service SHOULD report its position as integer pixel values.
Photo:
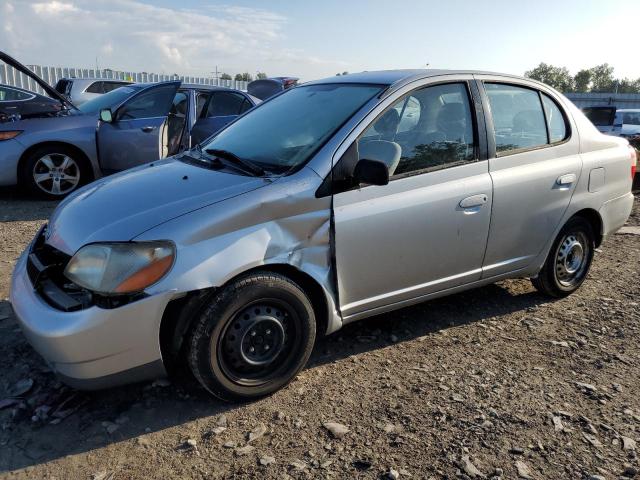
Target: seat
(387, 125)
(452, 122)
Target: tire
(52, 165)
(569, 260)
(252, 337)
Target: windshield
(285, 132)
(108, 100)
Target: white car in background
(81, 90)
(627, 122)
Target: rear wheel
(252, 337)
(53, 172)
(569, 260)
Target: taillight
(633, 154)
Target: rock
(592, 439)
(596, 477)
(257, 433)
(560, 343)
(337, 429)
(557, 424)
(298, 465)
(222, 421)
(190, 443)
(110, 427)
(161, 382)
(516, 451)
(280, 416)
(498, 472)
(217, 431)
(629, 230)
(242, 451)
(8, 402)
(229, 445)
(586, 386)
(143, 441)
(457, 398)
(469, 468)
(392, 474)
(266, 460)
(103, 476)
(628, 443)
(394, 339)
(523, 470)
(21, 387)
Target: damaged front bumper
(95, 347)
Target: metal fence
(11, 76)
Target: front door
(426, 230)
(138, 131)
(535, 171)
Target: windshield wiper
(247, 164)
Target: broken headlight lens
(118, 268)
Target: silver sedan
(334, 201)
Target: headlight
(10, 134)
(113, 268)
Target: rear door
(222, 107)
(535, 169)
(136, 135)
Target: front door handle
(473, 201)
(566, 179)
(148, 129)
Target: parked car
(80, 90)
(268, 87)
(16, 103)
(602, 117)
(627, 122)
(53, 155)
(318, 208)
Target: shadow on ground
(146, 408)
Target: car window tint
(179, 105)
(201, 101)
(431, 128)
(246, 105)
(150, 104)
(108, 86)
(555, 120)
(9, 94)
(631, 118)
(517, 115)
(225, 103)
(95, 87)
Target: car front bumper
(95, 347)
(10, 152)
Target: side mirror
(371, 172)
(106, 115)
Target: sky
(315, 39)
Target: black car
(17, 103)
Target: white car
(626, 122)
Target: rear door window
(518, 118)
(556, 121)
(9, 94)
(631, 118)
(225, 103)
(95, 87)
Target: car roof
(391, 77)
(92, 79)
(628, 110)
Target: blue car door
(138, 132)
(221, 109)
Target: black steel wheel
(569, 260)
(252, 337)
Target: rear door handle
(566, 179)
(148, 129)
(474, 201)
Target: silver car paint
(280, 221)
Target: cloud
(136, 36)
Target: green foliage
(261, 75)
(556, 77)
(225, 76)
(595, 79)
(243, 77)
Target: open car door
(137, 132)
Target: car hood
(121, 207)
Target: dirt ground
(494, 382)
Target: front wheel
(569, 260)
(53, 172)
(252, 337)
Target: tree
(582, 80)
(556, 77)
(243, 77)
(225, 76)
(261, 75)
(602, 78)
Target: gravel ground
(498, 381)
